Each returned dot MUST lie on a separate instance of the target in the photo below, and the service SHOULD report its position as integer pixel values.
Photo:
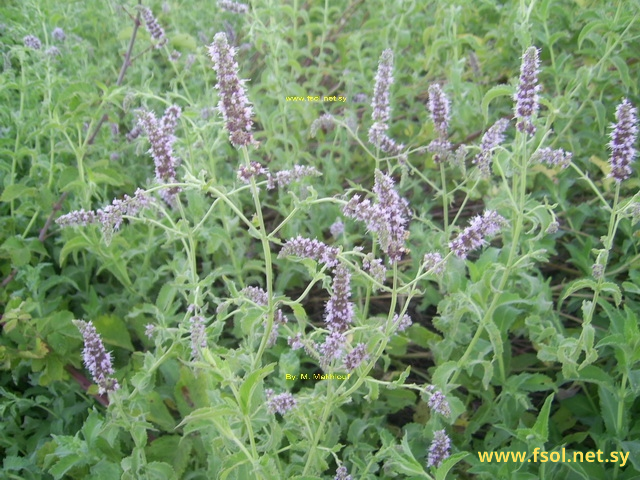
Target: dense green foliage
(530, 348)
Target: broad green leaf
(448, 464)
(17, 191)
(249, 384)
(541, 427)
(492, 94)
(114, 331)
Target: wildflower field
(319, 240)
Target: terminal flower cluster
(474, 236)
(233, 103)
(382, 107)
(438, 105)
(439, 449)
(526, 96)
(623, 138)
(490, 140)
(387, 217)
(280, 403)
(161, 137)
(153, 27)
(96, 358)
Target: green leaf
(17, 250)
(114, 331)
(541, 427)
(614, 290)
(249, 385)
(578, 285)
(17, 191)
(589, 28)
(609, 411)
(492, 94)
(74, 245)
(448, 464)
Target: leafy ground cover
(407, 238)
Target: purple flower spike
(623, 139)
(526, 97)
(490, 140)
(384, 78)
(153, 27)
(439, 107)
(280, 403)
(439, 449)
(339, 310)
(96, 358)
(474, 236)
(233, 104)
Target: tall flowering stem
(237, 112)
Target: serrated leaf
(588, 28)
(578, 285)
(448, 464)
(76, 244)
(114, 331)
(614, 290)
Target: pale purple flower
(332, 348)
(336, 228)
(53, 51)
(597, 271)
(296, 342)
(342, 474)
(623, 139)
(439, 449)
(375, 268)
(403, 322)
(278, 319)
(310, 248)
(433, 263)
(198, 335)
(96, 358)
(355, 357)
(246, 173)
(360, 98)
(174, 56)
(526, 97)
(234, 7)
(557, 157)
(438, 402)
(285, 177)
(552, 228)
(133, 133)
(256, 294)
(326, 122)
(153, 27)
(161, 137)
(490, 140)
(58, 34)
(33, 42)
(440, 148)
(387, 218)
(233, 103)
(280, 403)
(339, 310)
(474, 236)
(438, 105)
(379, 138)
(110, 217)
(384, 78)
(149, 330)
